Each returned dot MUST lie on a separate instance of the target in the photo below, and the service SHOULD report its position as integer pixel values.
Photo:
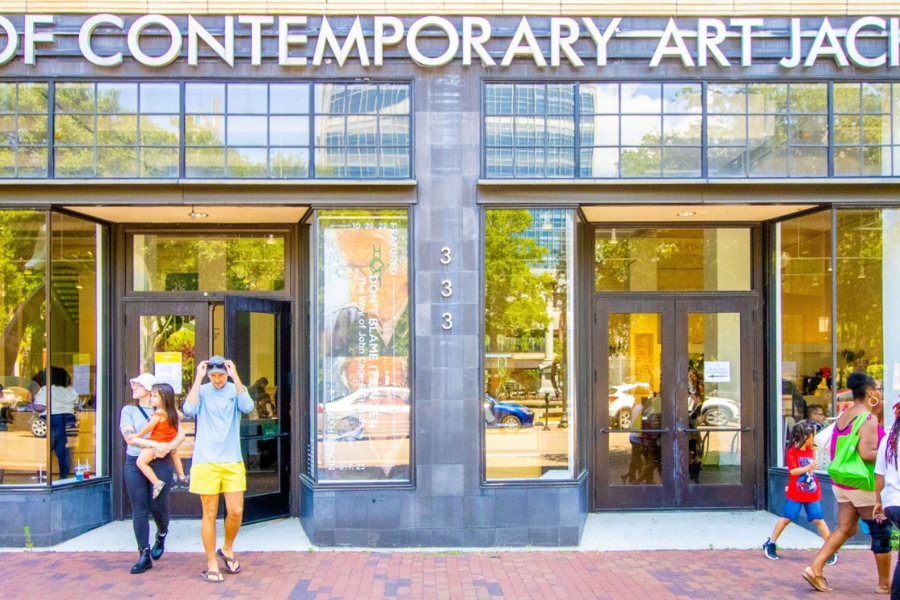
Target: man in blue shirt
(217, 466)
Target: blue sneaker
(832, 559)
(769, 549)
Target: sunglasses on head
(216, 365)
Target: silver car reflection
(380, 412)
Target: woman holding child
(133, 419)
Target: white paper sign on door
(81, 374)
(717, 371)
(167, 369)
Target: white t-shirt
(891, 494)
(64, 399)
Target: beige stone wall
(686, 8)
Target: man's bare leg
(210, 504)
(234, 509)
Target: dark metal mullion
(137, 139)
(182, 133)
(576, 123)
(16, 141)
(311, 118)
(225, 134)
(747, 127)
(830, 128)
(704, 144)
(51, 128)
(96, 120)
(379, 168)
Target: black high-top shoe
(159, 546)
(144, 563)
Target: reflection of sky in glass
(160, 98)
(248, 98)
(682, 98)
(641, 98)
(204, 98)
(602, 98)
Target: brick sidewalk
(518, 575)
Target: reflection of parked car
(718, 412)
(621, 402)
(508, 415)
(380, 412)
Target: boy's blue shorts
(792, 510)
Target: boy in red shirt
(803, 489)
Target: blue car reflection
(506, 415)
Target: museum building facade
(687, 215)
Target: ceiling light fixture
(612, 238)
(686, 213)
(196, 215)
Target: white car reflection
(381, 412)
(719, 412)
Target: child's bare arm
(801, 470)
(150, 426)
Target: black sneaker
(769, 549)
(832, 559)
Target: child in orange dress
(162, 427)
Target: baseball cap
(146, 380)
(215, 364)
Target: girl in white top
(63, 399)
(887, 486)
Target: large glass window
(859, 319)
(530, 130)
(862, 129)
(116, 129)
(768, 130)
(245, 130)
(640, 129)
(529, 395)
(208, 262)
(76, 358)
(363, 401)
(649, 260)
(24, 134)
(23, 430)
(49, 400)
(362, 131)
(804, 304)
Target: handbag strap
(143, 412)
(857, 423)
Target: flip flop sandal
(212, 576)
(817, 581)
(229, 562)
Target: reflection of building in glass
(362, 131)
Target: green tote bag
(848, 467)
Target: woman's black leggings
(893, 513)
(140, 493)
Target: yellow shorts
(216, 478)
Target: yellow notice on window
(167, 369)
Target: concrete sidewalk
(606, 532)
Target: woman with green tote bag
(861, 420)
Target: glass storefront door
(258, 339)
(678, 378)
(169, 338)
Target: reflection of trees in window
(241, 262)
(859, 326)
(516, 296)
(22, 271)
(23, 129)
